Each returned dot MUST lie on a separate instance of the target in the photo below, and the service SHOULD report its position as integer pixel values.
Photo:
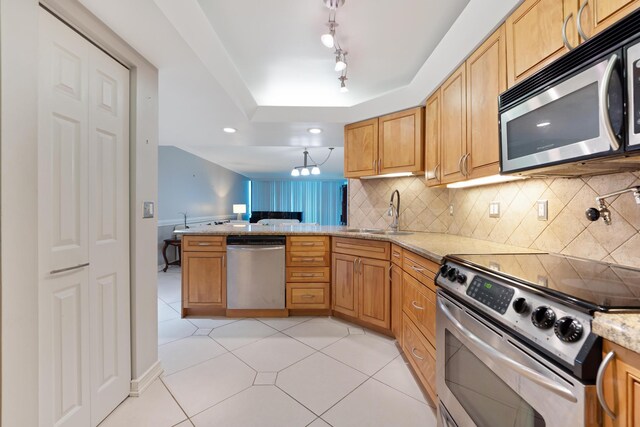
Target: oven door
(579, 118)
(484, 378)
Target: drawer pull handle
(204, 244)
(413, 351)
(307, 296)
(418, 269)
(396, 255)
(308, 275)
(415, 305)
(307, 244)
(308, 259)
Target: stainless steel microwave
(581, 114)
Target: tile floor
(296, 371)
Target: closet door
(108, 233)
(63, 250)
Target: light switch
(543, 210)
(494, 210)
(148, 209)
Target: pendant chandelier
(309, 168)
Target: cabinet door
(204, 279)
(345, 289)
(396, 302)
(597, 15)
(400, 141)
(486, 79)
(375, 291)
(454, 126)
(622, 386)
(361, 149)
(534, 35)
(432, 140)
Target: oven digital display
(494, 296)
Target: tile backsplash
(566, 231)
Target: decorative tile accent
(567, 230)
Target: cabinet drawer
(204, 243)
(362, 248)
(421, 354)
(308, 244)
(419, 303)
(309, 274)
(396, 255)
(311, 295)
(308, 259)
(421, 268)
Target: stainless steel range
(514, 340)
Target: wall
(567, 231)
(205, 190)
(18, 206)
(188, 183)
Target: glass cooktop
(604, 286)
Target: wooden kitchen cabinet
(361, 286)
(454, 126)
(432, 140)
(486, 72)
(597, 15)
(622, 386)
(534, 35)
(361, 149)
(204, 279)
(388, 144)
(401, 141)
(204, 275)
(396, 302)
(308, 272)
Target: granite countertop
(433, 246)
(620, 328)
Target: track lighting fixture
(343, 85)
(329, 40)
(341, 60)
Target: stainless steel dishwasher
(255, 272)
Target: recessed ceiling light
(314, 131)
(230, 130)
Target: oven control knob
(444, 269)
(520, 306)
(452, 274)
(543, 317)
(462, 278)
(568, 329)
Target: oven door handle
(534, 376)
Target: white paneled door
(83, 229)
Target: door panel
(204, 279)
(432, 140)
(345, 290)
(361, 149)
(375, 292)
(396, 302)
(600, 14)
(400, 141)
(109, 233)
(454, 121)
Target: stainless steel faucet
(394, 211)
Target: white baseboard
(140, 384)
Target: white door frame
(18, 201)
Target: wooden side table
(177, 243)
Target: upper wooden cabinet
(401, 141)
(361, 149)
(454, 126)
(432, 142)
(597, 15)
(486, 71)
(388, 144)
(534, 35)
(622, 386)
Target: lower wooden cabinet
(308, 295)
(421, 355)
(622, 386)
(204, 279)
(361, 288)
(419, 304)
(396, 302)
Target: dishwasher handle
(254, 248)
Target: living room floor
(295, 371)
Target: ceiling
(262, 69)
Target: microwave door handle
(604, 107)
(529, 373)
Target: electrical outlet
(451, 209)
(494, 210)
(543, 210)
